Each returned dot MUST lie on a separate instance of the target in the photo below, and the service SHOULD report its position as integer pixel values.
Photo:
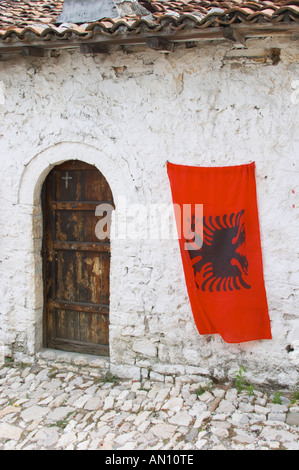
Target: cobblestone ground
(61, 406)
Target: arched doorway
(76, 264)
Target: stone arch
(29, 200)
(40, 165)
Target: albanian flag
(221, 249)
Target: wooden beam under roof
(233, 35)
(34, 51)
(96, 48)
(159, 44)
(236, 34)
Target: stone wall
(128, 113)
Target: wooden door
(76, 263)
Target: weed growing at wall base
(277, 398)
(240, 382)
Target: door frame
(109, 161)
(102, 350)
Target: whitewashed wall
(128, 113)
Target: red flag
(221, 249)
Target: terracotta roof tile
(39, 17)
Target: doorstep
(60, 359)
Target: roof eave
(15, 40)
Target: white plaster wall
(128, 113)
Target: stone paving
(60, 406)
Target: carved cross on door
(67, 178)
